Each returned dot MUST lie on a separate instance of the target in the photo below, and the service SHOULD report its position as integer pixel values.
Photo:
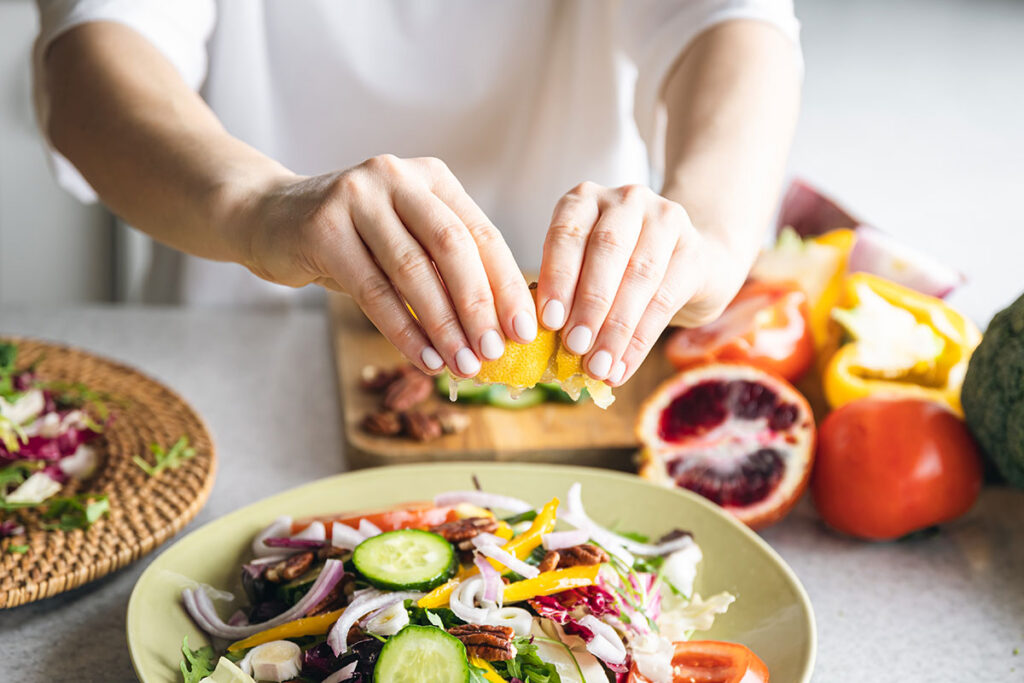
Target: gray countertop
(947, 607)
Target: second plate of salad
(472, 572)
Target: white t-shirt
(523, 99)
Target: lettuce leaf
(197, 664)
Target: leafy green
(8, 356)
(197, 664)
(80, 395)
(634, 536)
(527, 665)
(527, 516)
(18, 471)
(442, 617)
(17, 549)
(166, 459)
(11, 434)
(76, 512)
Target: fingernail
(431, 358)
(491, 345)
(600, 364)
(617, 373)
(579, 339)
(553, 315)
(466, 362)
(525, 325)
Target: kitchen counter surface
(943, 607)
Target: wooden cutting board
(580, 434)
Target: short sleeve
(178, 28)
(654, 33)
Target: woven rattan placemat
(144, 511)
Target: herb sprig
(171, 458)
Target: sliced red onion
(492, 579)
(341, 674)
(484, 538)
(509, 560)
(810, 213)
(200, 607)
(463, 601)
(608, 540)
(368, 529)
(344, 536)
(597, 532)
(515, 617)
(282, 526)
(238, 619)
(359, 608)
(315, 532)
(269, 559)
(606, 644)
(484, 500)
(883, 255)
(556, 540)
(294, 543)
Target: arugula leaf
(434, 619)
(76, 512)
(80, 395)
(166, 459)
(197, 664)
(527, 665)
(634, 536)
(17, 549)
(441, 617)
(17, 472)
(527, 516)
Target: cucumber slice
(500, 397)
(422, 654)
(407, 559)
(469, 391)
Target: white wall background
(52, 249)
(913, 115)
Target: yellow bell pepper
(901, 343)
(554, 581)
(520, 547)
(309, 626)
(489, 673)
(504, 531)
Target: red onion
(493, 587)
(341, 674)
(880, 254)
(463, 601)
(579, 518)
(509, 560)
(357, 609)
(606, 644)
(368, 528)
(344, 536)
(484, 500)
(556, 540)
(200, 607)
(294, 543)
(282, 526)
(484, 538)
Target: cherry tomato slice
(421, 515)
(766, 325)
(712, 661)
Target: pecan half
(421, 426)
(409, 390)
(291, 567)
(492, 643)
(375, 379)
(453, 421)
(382, 423)
(464, 530)
(576, 556)
(335, 599)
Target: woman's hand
(389, 231)
(619, 264)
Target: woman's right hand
(390, 231)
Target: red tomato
(421, 515)
(887, 467)
(766, 325)
(712, 661)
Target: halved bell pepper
(555, 581)
(309, 626)
(898, 342)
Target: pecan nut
(453, 421)
(376, 379)
(463, 530)
(409, 390)
(492, 643)
(421, 426)
(576, 556)
(382, 423)
(291, 567)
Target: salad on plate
(471, 587)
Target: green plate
(771, 615)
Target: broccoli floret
(993, 393)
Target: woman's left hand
(619, 264)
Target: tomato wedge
(712, 661)
(766, 325)
(421, 515)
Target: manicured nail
(525, 325)
(431, 358)
(617, 373)
(466, 362)
(553, 315)
(579, 339)
(491, 345)
(600, 364)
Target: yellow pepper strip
(439, 596)
(309, 626)
(551, 582)
(504, 531)
(489, 673)
(939, 380)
